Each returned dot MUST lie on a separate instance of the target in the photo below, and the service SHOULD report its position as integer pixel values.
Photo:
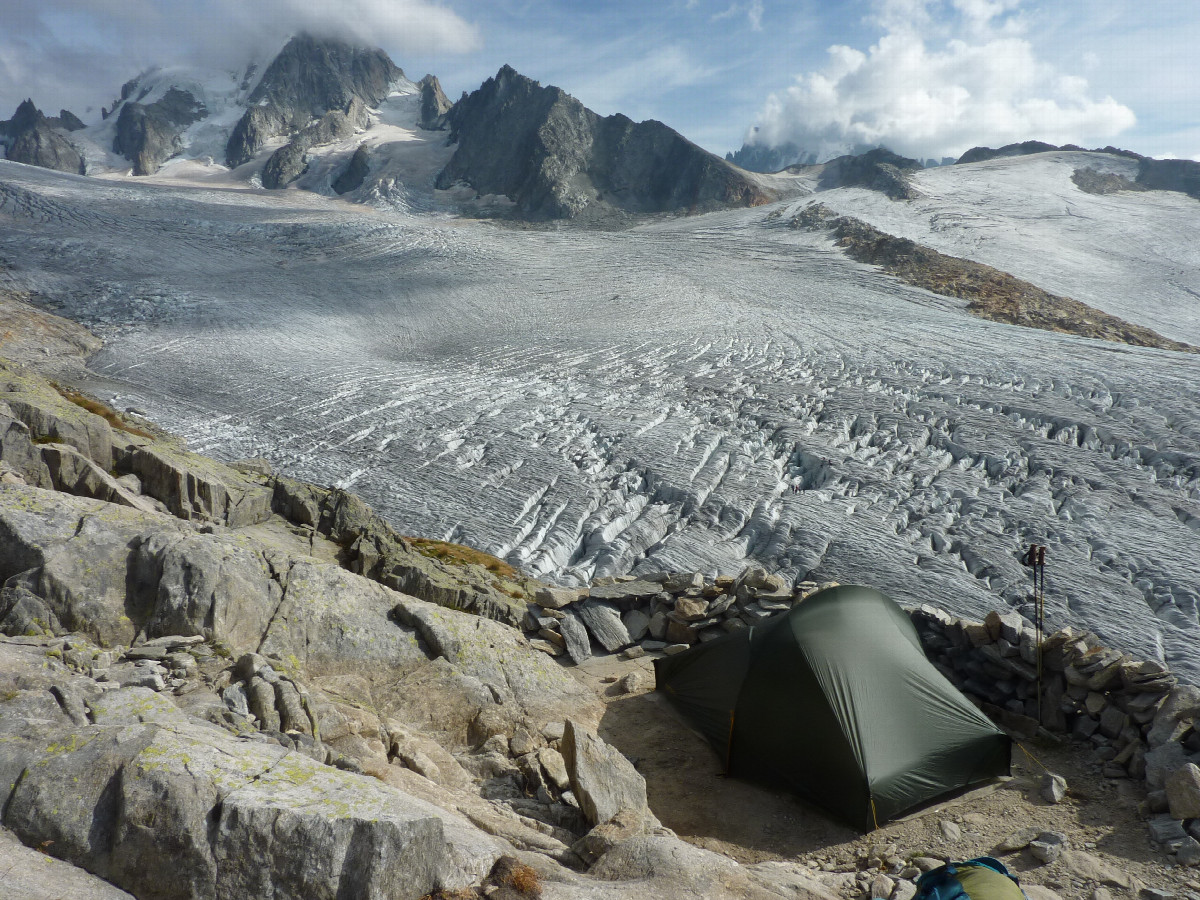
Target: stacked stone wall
(1134, 718)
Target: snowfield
(694, 393)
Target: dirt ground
(1109, 845)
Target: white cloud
(753, 11)
(76, 53)
(944, 77)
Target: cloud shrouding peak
(944, 77)
(76, 53)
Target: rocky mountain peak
(31, 138)
(434, 103)
(147, 135)
(557, 159)
(308, 78)
(26, 116)
(69, 121)
(1025, 148)
(314, 75)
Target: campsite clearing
(1108, 840)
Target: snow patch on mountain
(1130, 254)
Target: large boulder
(1183, 792)
(604, 782)
(50, 416)
(498, 656)
(179, 809)
(195, 487)
(604, 623)
(18, 452)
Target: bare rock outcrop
(194, 487)
(880, 170)
(434, 104)
(18, 454)
(35, 140)
(355, 173)
(310, 77)
(991, 293)
(149, 134)
(162, 805)
(372, 548)
(290, 161)
(49, 416)
(195, 703)
(1025, 148)
(556, 159)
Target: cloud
(75, 53)
(753, 11)
(943, 77)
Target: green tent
(836, 700)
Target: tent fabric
(836, 700)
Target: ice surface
(1131, 254)
(690, 394)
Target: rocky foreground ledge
(216, 682)
(220, 682)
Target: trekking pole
(1039, 577)
(1030, 558)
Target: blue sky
(926, 77)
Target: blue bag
(982, 878)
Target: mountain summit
(556, 159)
(335, 118)
(30, 137)
(309, 78)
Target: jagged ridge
(556, 159)
(308, 78)
(34, 139)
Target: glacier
(693, 393)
